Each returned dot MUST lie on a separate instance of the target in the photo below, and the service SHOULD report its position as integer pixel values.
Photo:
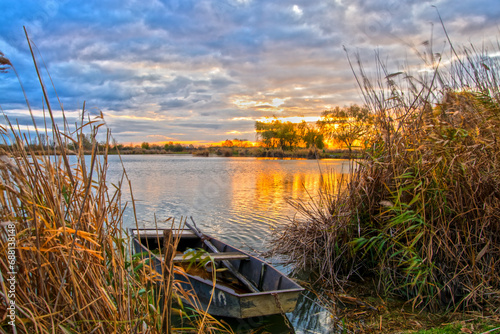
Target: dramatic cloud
(206, 70)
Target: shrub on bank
(422, 211)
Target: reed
(421, 212)
(62, 226)
(65, 261)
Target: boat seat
(185, 234)
(216, 256)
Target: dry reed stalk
(422, 211)
(62, 240)
(168, 275)
(69, 273)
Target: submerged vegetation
(420, 215)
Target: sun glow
(293, 119)
(264, 104)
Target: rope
(278, 304)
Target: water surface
(238, 200)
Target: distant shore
(257, 152)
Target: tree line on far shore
(345, 127)
(341, 127)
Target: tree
(42, 140)
(169, 146)
(313, 138)
(277, 134)
(345, 125)
(267, 133)
(145, 145)
(178, 148)
(310, 135)
(288, 135)
(87, 141)
(241, 142)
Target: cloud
(190, 67)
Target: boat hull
(277, 292)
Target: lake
(238, 200)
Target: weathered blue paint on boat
(277, 292)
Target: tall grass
(65, 261)
(422, 211)
(71, 266)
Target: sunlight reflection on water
(238, 200)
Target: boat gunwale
(217, 285)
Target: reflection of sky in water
(239, 200)
(236, 199)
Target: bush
(422, 211)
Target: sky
(203, 71)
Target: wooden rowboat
(250, 287)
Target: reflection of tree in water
(276, 187)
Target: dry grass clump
(62, 226)
(65, 259)
(422, 211)
(317, 238)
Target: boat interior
(264, 276)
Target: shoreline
(300, 154)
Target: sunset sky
(206, 70)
